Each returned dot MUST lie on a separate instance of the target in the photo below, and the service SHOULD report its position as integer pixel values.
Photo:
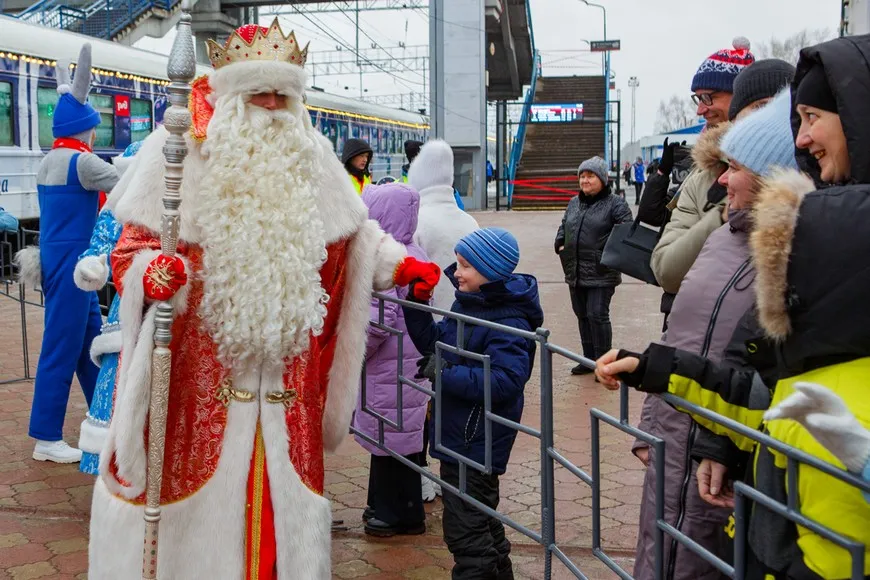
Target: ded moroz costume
(271, 287)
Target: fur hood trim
(775, 215)
(258, 76)
(432, 166)
(706, 153)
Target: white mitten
(825, 415)
(92, 273)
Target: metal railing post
(548, 487)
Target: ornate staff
(177, 120)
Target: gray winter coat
(586, 225)
(713, 297)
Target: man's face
(712, 105)
(360, 161)
(269, 101)
(821, 133)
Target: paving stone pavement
(44, 508)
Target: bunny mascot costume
(68, 183)
(92, 272)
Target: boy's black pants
(477, 541)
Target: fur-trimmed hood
(813, 269)
(432, 166)
(706, 153)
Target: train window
(105, 106)
(7, 135)
(140, 119)
(46, 101)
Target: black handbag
(629, 250)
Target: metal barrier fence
(10, 287)
(550, 456)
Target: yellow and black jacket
(811, 323)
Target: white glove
(825, 415)
(91, 273)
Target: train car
(129, 91)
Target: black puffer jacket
(586, 225)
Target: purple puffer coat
(395, 207)
(713, 297)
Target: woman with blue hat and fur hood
(92, 273)
(69, 183)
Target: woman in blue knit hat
(486, 288)
(69, 183)
(713, 299)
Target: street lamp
(633, 83)
(606, 82)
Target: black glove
(426, 368)
(667, 162)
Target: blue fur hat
(73, 114)
(763, 140)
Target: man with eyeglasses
(712, 90)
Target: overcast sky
(663, 41)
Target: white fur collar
(140, 191)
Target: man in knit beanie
(713, 83)
(713, 89)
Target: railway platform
(44, 507)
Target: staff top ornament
(252, 42)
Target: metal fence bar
(770, 442)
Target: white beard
(262, 235)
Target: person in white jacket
(441, 224)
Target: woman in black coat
(586, 225)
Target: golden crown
(265, 44)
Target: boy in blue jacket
(486, 288)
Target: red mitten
(424, 275)
(163, 277)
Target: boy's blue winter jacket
(513, 303)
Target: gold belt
(227, 393)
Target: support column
(457, 41)
(209, 21)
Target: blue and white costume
(105, 347)
(68, 183)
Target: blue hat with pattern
(493, 252)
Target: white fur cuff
(92, 437)
(390, 254)
(108, 343)
(91, 273)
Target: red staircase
(547, 173)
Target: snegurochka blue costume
(92, 272)
(69, 183)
